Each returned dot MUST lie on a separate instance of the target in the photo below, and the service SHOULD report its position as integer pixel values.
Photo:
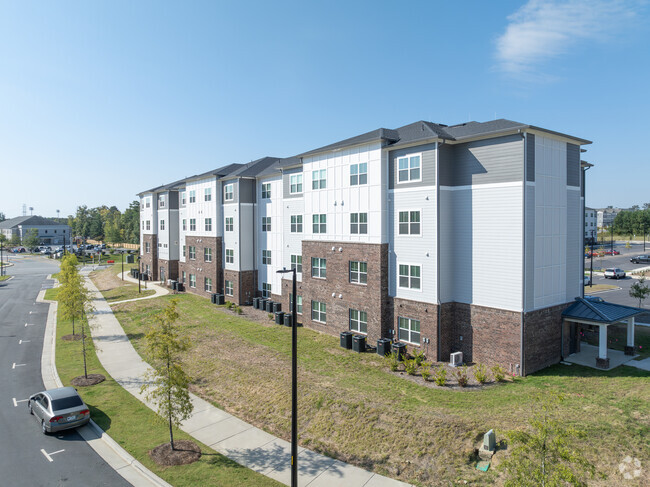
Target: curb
(48, 368)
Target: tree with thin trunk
(640, 290)
(168, 383)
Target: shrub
(426, 371)
(411, 366)
(391, 361)
(480, 373)
(418, 356)
(238, 310)
(229, 304)
(440, 376)
(461, 376)
(498, 373)
(271, 317)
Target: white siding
(292, 241)
(201, 209)
(231, 239)
(270, 207)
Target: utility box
(220, 299)
(130, 259)
(346, 340)
(383, 346)
(359, 343)
(180, 286)
(213, 298)
(277, 307)
(489, 441)
(400, 350)
(279, 317)
(288, 317)
(269, 306)
(456, 359)
(256, 303)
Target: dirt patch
(184, 453)
(91, 380)
(71, 338)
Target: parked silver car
(614, 273)
(58, 409)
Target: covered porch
(599, 315)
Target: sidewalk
(230, 436)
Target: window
(409, 330)
(409, 276)
(192, 224)
(208, 224)
(319, 311)
(319, 223)
(207, 254)
(148, 224)
(143, 224)
(183, 250)
(207, 283)
(266, 289)
(184, 224)
(318, 179)
(162, 224)
(409, 223)
(192, 196)
(296, 223)
(359, 174)
(408, 169)
(359, 223)
(192, 280)
(266, 223)
(147, 247)
(296, 263)
(192, 252)
(266, 257)
(183, 277)
(358, 272)
(295, 181)
(183, 198)
(229, 192)
(148, 202)
(266, 190)
(207, 194)
(298, 304)
(358, 321)
(162, 200)
(147, 269)
(318, 267)
(230, 256)
(229, 224)
(229, 287)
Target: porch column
(602, 361)
(629, 349)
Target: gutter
(523, 253)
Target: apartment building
(448, 238)
(591, 224)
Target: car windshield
(66, 403)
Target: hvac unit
(456, 359)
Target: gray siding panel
(235, 184)
(574, 250)
(173, 200)
(446, 163)
(247, 190)
(530, 157)
(286, 183)
(427, 166)
(573, 165)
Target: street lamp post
(612, 239)
(2, 267)
(591, 257)
(122, 265)
(644, 226)
(139, 272)
(294, 381)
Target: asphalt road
(24, 450)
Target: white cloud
(542, 30)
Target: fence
(118, 245)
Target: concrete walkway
(640, 364)
(230, 436)
(588, 354)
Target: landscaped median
(138, 429)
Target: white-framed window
(229, 192)
(162, 200)
(230, 224)
(230, 256)
(358, 272)
(183, 250)
(296, 223)
(147, 247)
(298, 304)
(192, 250)
(208, 224)
(358, 321)
(147, 269)
(266, 190)
(207, 254)
(183, 277)
(192, 224)
(207, 283)
(266, 289)
(266, 257)
(319, 311)
(184, 224)
(409, 222)
(148, 224)
(162, 224)
(183, 200)
(266, 223)
(295, 185)
(319, 179)
(359, 223)
(318, 268)
(408, 169)
(296, 262)
(207, 194)
(192, 196)
(409, 330)
(358, 174)
(409, 276)
(147, 202)
(229, 288)
(193, 281)
(143, 224)
(319, 222)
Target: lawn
(137, 429)
(112, 287)
(4, 278)
(352, 408)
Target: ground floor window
(409, 330)
(298, 304)
(192, 281)
(266, 289)
(208, 284)
(229, 288)
(319, 311)
(358, 321)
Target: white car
(586, 281)
(614, 273)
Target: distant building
(605, 216)
(591, 223)
(49, 231)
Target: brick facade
(287, 286)
(543, 338)
(170, 268)
(150, 258)
(200, 268)
(427, 314)
(244, 286)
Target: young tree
(640, 290)
(15, 239)
(31, 238)
(168, 386)
(546, 456)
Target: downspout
(523, 254)
(239, 238)
(438, 145)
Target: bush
(498, 373)
(411, 366)
(480, 373)
(229, 304)
(426, 371)
(461, 376)
(238, 310)
(418, 356)
(271, 317)
(391, 361)
(440, 376)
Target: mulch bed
(185, 452)
(71, 338)
(91, 380)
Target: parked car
(58, 409)
(586, 281)
(594, 299)
(614, 273)
(640, 259)
(612, 252)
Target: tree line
(632, 222)
(107, 224)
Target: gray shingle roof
(603, 312)
(28, 220)
(373, 136)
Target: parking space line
(20, 342)
(17, 365)
(29, 324)
(16, 401)
(48, 455)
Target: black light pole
(612, 239)
(644, 237)
(139, 272)
(2, 267)
(122, 265)
(294, 381)
(591, 271)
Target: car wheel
(29, 406)
(43, 428)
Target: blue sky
(100, 100)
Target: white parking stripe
(20, 342)
(29, 324)
(16, 401)
(17, 365)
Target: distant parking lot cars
(17, 250)
(614, 273)
(612, 252)
(640, 259)
(594, 299)
(58, 409)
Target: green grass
(137, 429)
(351, 407)
(617, 339)
(129, 291)
(4, 278)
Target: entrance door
(573, 339)
(162, 274)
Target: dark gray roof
(373, 136)
(28, 220)
(252, 169)
(603, 312)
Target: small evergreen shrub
(391, 361)
(498, 373)
(461, 376)
(418, 356)
(271, 317)
(411, 366)
(480, 373)
(440, 376)
(229, 304)
(238, 310)
(426, 371)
